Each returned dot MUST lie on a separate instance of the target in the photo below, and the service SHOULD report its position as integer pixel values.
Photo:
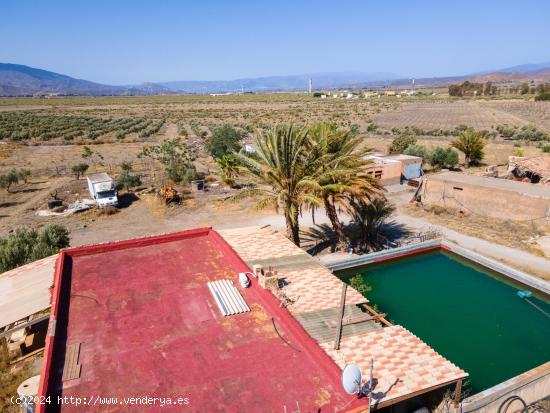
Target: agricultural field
(482, 114)
(49, 136)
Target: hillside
(20, 80)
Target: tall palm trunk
(292, 226)
(333, 217)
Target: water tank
(27, 391)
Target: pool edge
(399, 252)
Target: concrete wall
(391, 171)
(490, 202)
(531, 386)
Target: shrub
(417, 150)
(9, 179)
(443, 158)
(543, 96)
(182, 131)
(24, 174)
(357, 283)
(26, 245)
(128, 180)
(372, 127)
(79, 169)
(177, 158)
(224, 140)
(401, 143)
(530, 133)
(518, 152)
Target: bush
(26, 245)
(9, 179)
(79, 169)
(401, 143)
(182, 131)
(443, 158)
(358, 284)
(530, 133)
(177, 158)
(518, 152)
(417, 150)
(224, 140)
(506, 131)
(543, 96)
(24, 174)
(128, 180)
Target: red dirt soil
(148, 326)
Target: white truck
(102, 189)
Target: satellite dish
(351, 379)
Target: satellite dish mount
(352, 381)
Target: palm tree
(370, 217)
(229, 168)
(285, 169)
(471, 143)
(340, 171)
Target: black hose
(509, 401)
(282, 338)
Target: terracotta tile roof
(250, 243)
(403, 364)
(313, 288)
(317, 289)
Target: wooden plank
(71, 368)
(340, 317)
(361, 318)
(7, 331)
(458, 393)
(373, 311)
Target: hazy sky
(122, 42)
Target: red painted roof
(148, 326)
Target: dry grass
(513, 234)
(10, 378)
(155, 206)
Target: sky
(128, 42)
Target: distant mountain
(527, 68)
(275, 83)
(535, 75)
(19, 80)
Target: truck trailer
(102, 189)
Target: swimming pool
(466, 312)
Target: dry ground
(50, 161)
(522, 235)
(479, 114)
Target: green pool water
(465, 312)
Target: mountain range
(20, 80)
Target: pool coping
(386, 255)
